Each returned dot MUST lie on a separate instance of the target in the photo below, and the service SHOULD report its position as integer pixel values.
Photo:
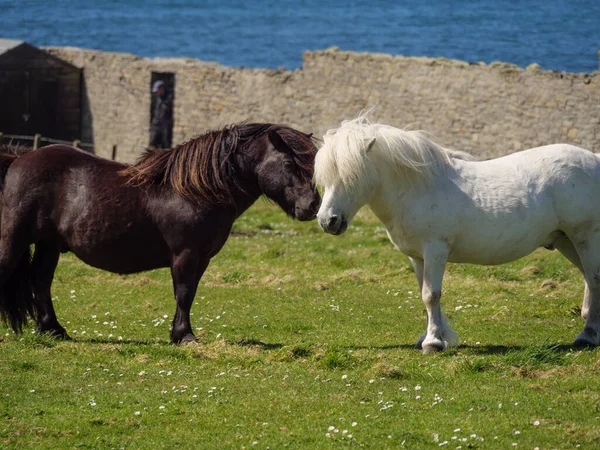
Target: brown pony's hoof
(187, 339)
(60, 334)
(583, 343)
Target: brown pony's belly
(126, 248)
(122, 265)
(122, 258)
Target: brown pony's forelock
(204, 168)
(303, 150)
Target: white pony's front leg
(430, 273)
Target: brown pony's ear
(278, 142)
(309, 135)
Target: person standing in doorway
(162, 118)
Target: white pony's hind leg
(439, 335)
(590, 335)
(585, 305)
(566, 247)
(589, 255)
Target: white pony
(438, 206)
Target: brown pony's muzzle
(307, 208)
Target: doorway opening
(162, 90)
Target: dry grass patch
(383, 369)
(357, 275)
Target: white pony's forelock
(344, 157)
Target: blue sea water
(559, 35)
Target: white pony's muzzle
(332, 215)
(332, 223)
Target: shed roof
(9, 44)
(16, 52)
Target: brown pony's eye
(288, 164)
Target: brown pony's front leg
(186, 270)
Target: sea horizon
(557, 35)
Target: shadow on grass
(478, 349)
(265, 346)
(256, 343)
(139, 342)
(505, 349)
(382, 347)
(243, 343)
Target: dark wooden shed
(39, 93)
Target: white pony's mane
(345, 157)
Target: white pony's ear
(370, 144)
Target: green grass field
(306, 341)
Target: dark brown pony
(174, 208)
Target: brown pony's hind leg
(186, 270)
(45, 259)
(16, 295)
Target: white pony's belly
(483, 244)
(499, 249)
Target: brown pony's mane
(204, 168)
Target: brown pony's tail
(16, 295)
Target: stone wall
(488, 110)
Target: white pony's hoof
(437, 344)
(434, 345)
(434, 348)
(582, 343)
(587, 338)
